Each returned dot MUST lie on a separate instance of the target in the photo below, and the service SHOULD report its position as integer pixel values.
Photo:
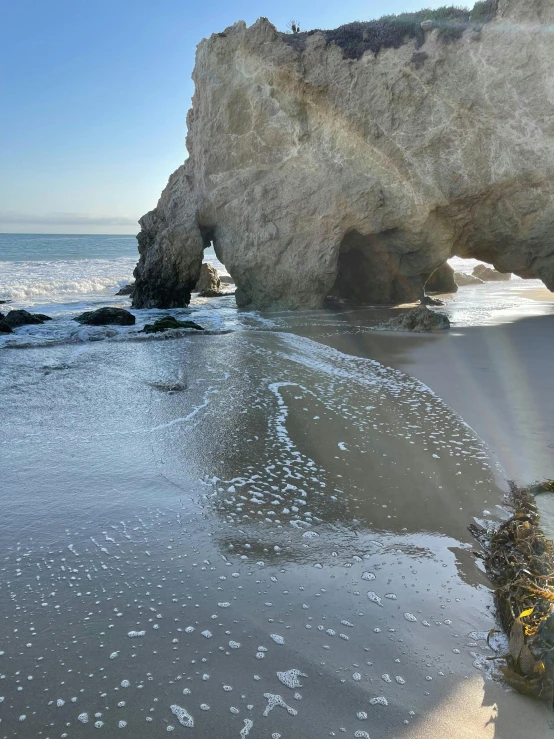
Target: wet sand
(498, 378)
(288, 509)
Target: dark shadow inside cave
(368, 271)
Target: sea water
(68, 272)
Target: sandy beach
(262, 528)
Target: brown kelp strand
(519, 561)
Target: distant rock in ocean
(486, 274)
(208, 280)
(126, 289)
(354, 162)
(462, 279)
(107, 317)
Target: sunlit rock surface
(314, 174)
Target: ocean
(255, 531)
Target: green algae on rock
(168, 322)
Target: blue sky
(94, 96)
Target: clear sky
(94, 95)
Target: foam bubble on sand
(410, 617)
(277, 639)
(135, 634)
(83, 718)
(290, 678)
(182, 716)
(113, 655)
(248, 724)
(379, 700)
(276, 700)
(234, 644)
(361, 735)
(207, 634)
(374, 598)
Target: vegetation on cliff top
(392, 31)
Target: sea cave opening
(368, 270)
(215, 278)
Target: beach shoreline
(289, 492)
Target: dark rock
(442, 280)
(106, 317)
(3, 302)
(126, 290)
(418, 320)
(487, 274)
(16, 318)
(4, 328)
(211, 294)
(462, 279)
(208, 280)
(168, 322)
(426, 300)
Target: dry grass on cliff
(392, 31)
(519, 561)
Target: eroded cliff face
(314, 174)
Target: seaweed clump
(519, 561)
(393, 31)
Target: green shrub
(483, 12)
(392, 31)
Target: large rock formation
(442, 281)
(321, 167)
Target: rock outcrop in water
(418, 320)
(463, 279)
(106, 317)
(208, 279)
(322, 166)
(17, 318)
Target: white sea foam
(53, 281)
